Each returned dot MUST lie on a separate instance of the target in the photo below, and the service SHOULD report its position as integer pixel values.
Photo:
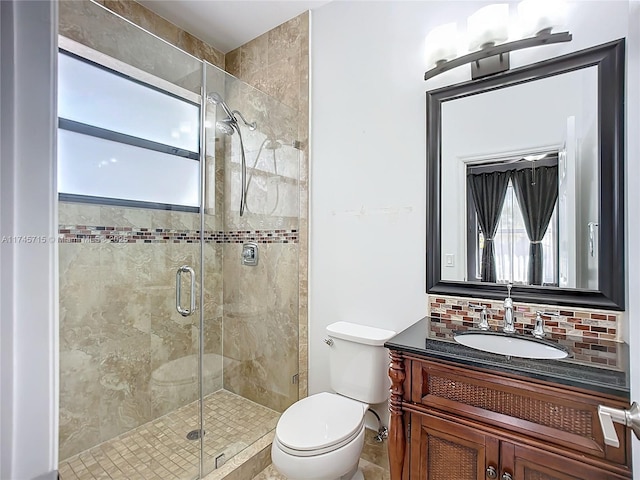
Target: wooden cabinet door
(442, 450)
(533, 464)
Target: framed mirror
(525, 178)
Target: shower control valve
(249, 254)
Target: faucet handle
(477, 305)
(538, 329)
(484, 321)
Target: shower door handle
(182, 311)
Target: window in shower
(124, 142)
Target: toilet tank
(358, 361)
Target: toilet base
(358, 476)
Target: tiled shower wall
(119, 329)
(277, 63)
(117, 281)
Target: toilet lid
(320, 421)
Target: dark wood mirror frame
(610, 61)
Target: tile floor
(370, 470)
(159, 450)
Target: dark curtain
(488, 191)
(537, 200)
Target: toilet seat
(319, 424)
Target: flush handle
(608, 415)
(329, 341)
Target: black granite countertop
(427, 339)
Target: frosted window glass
(101, 168)
(94, 96)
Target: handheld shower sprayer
(227, 127)
(216, 99)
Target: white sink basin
(510, 345)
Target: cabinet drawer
(549, 414)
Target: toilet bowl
(321, 437)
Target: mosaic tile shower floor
(159, 450)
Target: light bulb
(440, 44)
(488, 26)
(536, 16)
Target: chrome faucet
(509, 325)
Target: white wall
(367, 255)
(28, 300)
(367, 237)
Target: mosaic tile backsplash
(592, 335)
(109, 234)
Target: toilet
(321, 437)
(175, 383)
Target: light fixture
(439, 45)
(488, 32)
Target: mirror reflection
(520, 183)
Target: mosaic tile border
(108, 234)
(585, 323)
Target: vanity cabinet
(464, 422)
(443, 449)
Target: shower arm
(251, 125)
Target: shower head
(226, 126)
(216, 99)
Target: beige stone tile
(284, 40)
(97, 28)
(375, 452)
(70, 213)
(284, 81)
(254, 54)
(233, 62)
(370, 471)
(159, 449)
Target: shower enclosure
(178, 315)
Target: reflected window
(515, 201)
(511, 246)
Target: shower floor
(159, 450)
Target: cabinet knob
(491, 472)
(506, 476)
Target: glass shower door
(251, 301)
(130, 234)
